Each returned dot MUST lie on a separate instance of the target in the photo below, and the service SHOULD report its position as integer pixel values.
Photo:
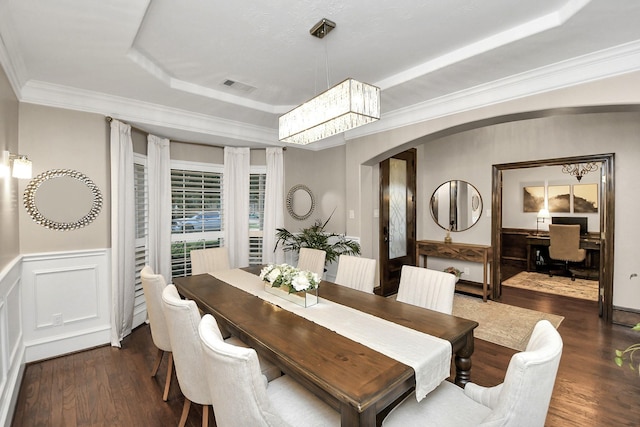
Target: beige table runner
(429, 356)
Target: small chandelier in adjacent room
(345, 106)
(579, 169)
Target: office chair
(565, 246)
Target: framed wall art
(585, 198)
(559, 197)
(532, 198)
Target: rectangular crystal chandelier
(345, 106)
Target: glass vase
(302, 298)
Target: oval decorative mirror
(300, 202)
(456, 205)
(62, 199)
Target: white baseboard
(64, 344)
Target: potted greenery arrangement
(454, 271)
(622, 355)
(315, 237)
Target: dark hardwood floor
(113, 387)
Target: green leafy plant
(315, 237)
(454, 271)
(626, 355)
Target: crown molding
(587, 68)
(134, 111)
(573, 72)
(511, 35)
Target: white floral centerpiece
(291, 283)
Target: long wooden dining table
(357, 381)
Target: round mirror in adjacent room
(300, 202)
(62, 199)
(456, 205)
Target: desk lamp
(543, 214)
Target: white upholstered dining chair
(209, 260)
(426, 288)
(152, 286)
(183, 319)
(312, 260)
(522, 400)
(357, 273)
(241, 396)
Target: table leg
(463, 361)
(351, 417)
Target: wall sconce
(543, 215)
(22, 166)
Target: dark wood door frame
(607, 206)
(390, 268)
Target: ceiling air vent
(241, 87)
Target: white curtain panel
(236, 205)
(159, 181)
(123, 243)
(273, 206)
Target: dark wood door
(397, 218)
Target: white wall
(324, 173)
(63, 139)
(9, 196)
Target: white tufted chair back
(528, 384)
(153, 285)
(312, 260)
(357, 273)
(240, 393)
(522, 400)
(183, 319)
(426, 288)
(209, 260)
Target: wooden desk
(352, 378)
(591, 245)
(461, 251)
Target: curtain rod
(110, 119)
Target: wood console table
(461, 251)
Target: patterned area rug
(501, 324)
(580, 288)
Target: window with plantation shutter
(141, 217)
(196, 212)
(257, 180)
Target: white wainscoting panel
(12, 349)
(66, 295)
(66, 302)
